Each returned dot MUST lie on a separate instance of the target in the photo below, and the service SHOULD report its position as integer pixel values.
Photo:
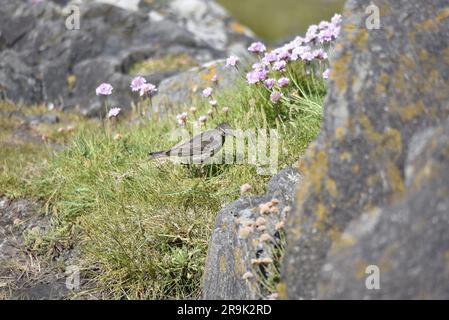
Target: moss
(170, 62)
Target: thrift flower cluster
(271, 69)
(310, 49)
(138, 84)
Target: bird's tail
(158, 154)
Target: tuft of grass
(143, 226)
(169, 62)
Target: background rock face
(231, 253)
(43, 61)
(386, 85)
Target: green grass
(143, 226)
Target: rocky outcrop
(243, 257)
(360, 195)
(44, 61)
(408, 240)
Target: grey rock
(120, 31)
(229, 255)
(181, 89)
(377, 100)
(43, 118)
(18, 81)
(407, 241)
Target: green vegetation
(170, 62)
(143, 226)
(277, 20)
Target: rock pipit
(200, 148)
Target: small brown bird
(200, 148)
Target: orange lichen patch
(345, 156)
(360, 269)
(344, 241)
(222, 264)
(361, 39)
(340, 133)
(321, 216)
(339, 72)
(351, 30)
(355, 169)
(423, 54)
(71, 82)
(238, 27)
(209, 73)
(238, 266)
(407, 62)
(390, 141)
(282, 291)
(396, 180)
(432, 25)
(410, 111)
(302, 167)
(331, 187)
(318, 170)
(424, 174)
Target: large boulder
(244, 249)
(386, 85)
(407, 241)
(115, 35)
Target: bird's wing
(206, 143)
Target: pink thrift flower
(326, 74)
(114, 112)
(207, 92)
(215, 79)
(320, 54)
(257, 47)
(275, 96)
(232, 61)
(147, 88)
(137, 83)
(283, 54)
(213, 103)
(183, 116)
(336, 19)
(312, 33)
(270, 58)
(298, 52)
(104, 89)
(283, 82)
(269, 83)
(280, 65)
(202, 119)
(252, 77)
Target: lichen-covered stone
(386, 85)
(407, 241)
(243, 247)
